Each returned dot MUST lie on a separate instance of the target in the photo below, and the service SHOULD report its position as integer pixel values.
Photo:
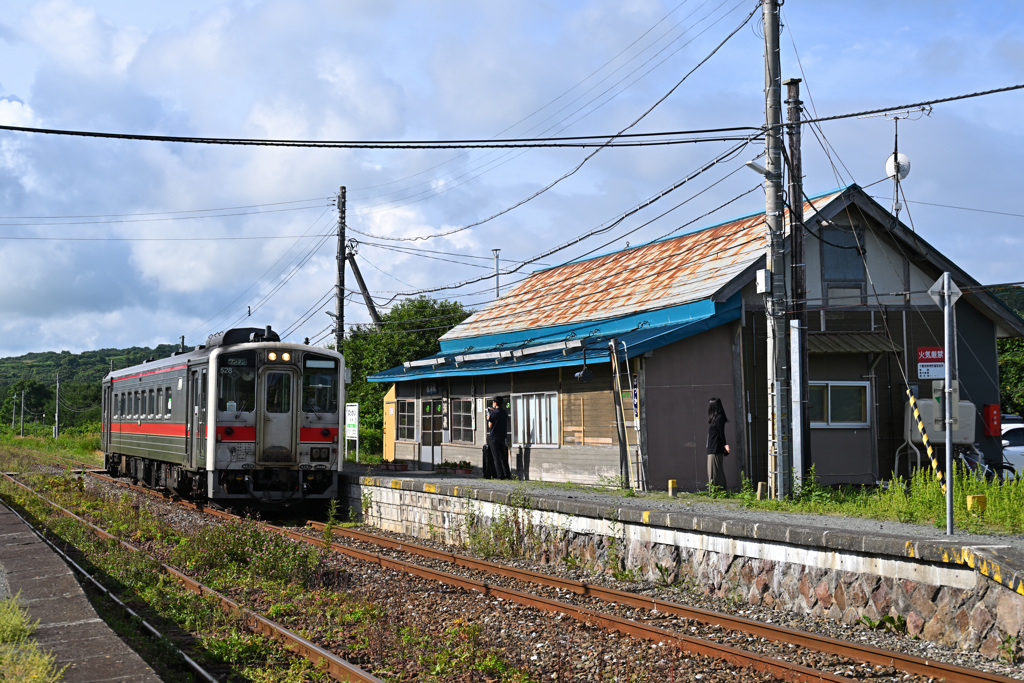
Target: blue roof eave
(638, 341)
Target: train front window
(236, 383)
(279, 392)
(320, 385)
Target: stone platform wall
(943, 602)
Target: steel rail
(785, 670)
(866, 653)
(326, 661)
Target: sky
(109, 243)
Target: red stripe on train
(151, 428)
(237, 433)
(316, 435)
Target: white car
(1013, 442)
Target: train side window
(158, 407)
(121, 399)
(138, 404)
(151, 408)
(167, 395)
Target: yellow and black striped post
(924, 439)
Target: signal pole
(339, 302)
(779, 451)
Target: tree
(1011, 356)
(410, 330)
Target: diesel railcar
(243, 420)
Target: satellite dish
(897, 164)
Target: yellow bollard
(762, 490)
(976, 504)
(671, 488)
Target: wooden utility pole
(798, 278)
(339, 302)
(779, 453)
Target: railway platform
(68, 626)
(964, 590)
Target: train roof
(232, 337)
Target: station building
(685, 317)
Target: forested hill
(33, 377)
(85, 367)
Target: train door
(105, 419)
(197, 417)
(431, 431)
(276, 425)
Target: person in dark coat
(717, 446)
(497, 431)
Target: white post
(948, 392)
(797, 406)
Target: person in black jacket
(497, 432)
(717, 447)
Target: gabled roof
(649, 296)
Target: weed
(665, 573)
(1009, 650)
(892, 624)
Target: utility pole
(23, 412)
(56, 412)
(779, 453)
(798, 278)
(350, 256)
(497, 290)
(339, 302)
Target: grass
(20, 658)
(918, 500)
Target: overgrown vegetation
(20, 658)
(918, 500)
(290, 582)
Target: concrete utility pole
(56, 413)
(339, 302)
(779, 453)
(497, 290)
(22, 412)
(798, 278)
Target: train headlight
(286, 356)
(272, 355)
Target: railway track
(336, 667)
(769, 648)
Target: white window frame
(829, 423)
(529, 402)
(452, 414)
(398, 420)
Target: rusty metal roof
(850, 342)
(668, 272)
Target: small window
(407, 420)
(151, 408)
(138, 405)
(167, 397)
(462, 420)
(839, 404)
(158, 410)
(122, 412)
